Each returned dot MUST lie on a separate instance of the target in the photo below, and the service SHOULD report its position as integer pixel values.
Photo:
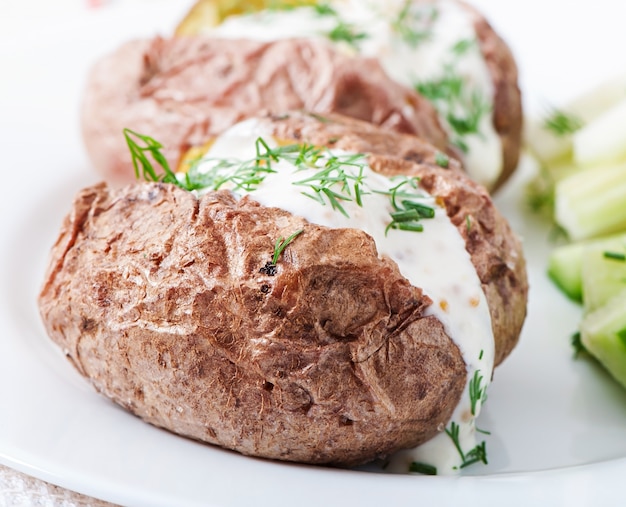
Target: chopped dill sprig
(577, 345)
(414, 27)
(332, 182)
(422, 468)
(615, 256)
(408, 211)
(324, 9)
(475, 455)
(346, 32)
(561, 123)
(281, 244)
(468, 123)
(477, 392)
(442, 160)
(244, 175)
(140, 158)
(463, 46)
(462, 107)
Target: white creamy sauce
(394, 35)
(435, 260)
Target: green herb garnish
(462, 106)
(281, 244)
(140, 158)
(577, 344)
(463, 46)
(246, 175)
(324, 9)
(616, 256)
(407, 209)
(414, 27)
(345, 32)
(561, 123)
(478, 453)
(442, 160)
(332, 183)
(422, 468)
(477, 392)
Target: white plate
(558, 427)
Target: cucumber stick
(592, 202)
(603, 333)
(603, 275)
(579, 268)
(565, 269)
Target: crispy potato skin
(183, 90)
(161, 303)
(161, 300)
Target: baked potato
(184, 90)
(192, 310)
(445, 49)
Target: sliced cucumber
(603, 333)
(603, 274)
(592, 203)
(565, 269)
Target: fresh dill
(332, 183)
(561, 123)
(281, 244)
(408, 206)
(324, 9)
(461, 106)
(469, 123)
(577, 345)
(422, 468)
(462, 46)
(346, 32)
(615, 256)
(477, 391)
(244, 175)
(475, 455)
(139, 158)
(337, 178)
(414, 27)
(442, 160)
(342, 31)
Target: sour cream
(435, 260)
(416, 43)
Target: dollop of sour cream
(430, 46)
(435, 260)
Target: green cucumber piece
(590, 203)
(565, 266)
(565, 269)
(603, 274)
(603, 333)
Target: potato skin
(183, 90)
(161, 304)
(161, 300)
